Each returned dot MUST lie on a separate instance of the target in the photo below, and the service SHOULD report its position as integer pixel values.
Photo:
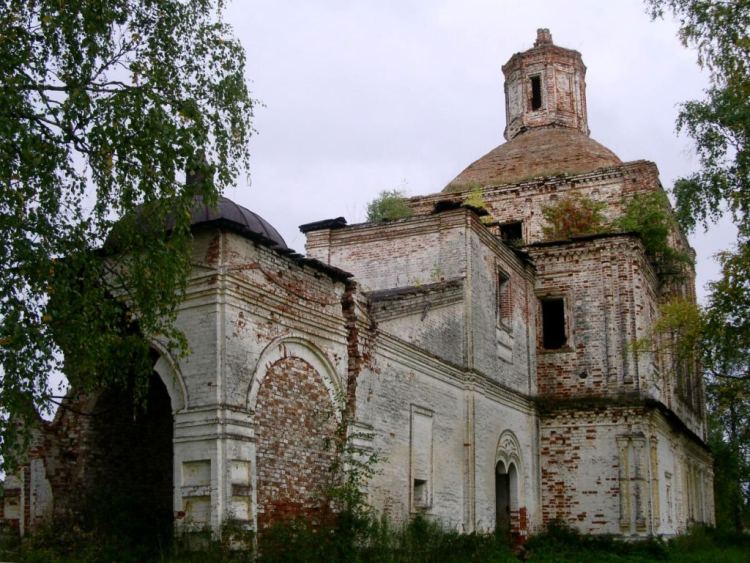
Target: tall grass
(372, 540)
(367, 539)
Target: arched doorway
(502, 499)
(129, 474)
(510, 512)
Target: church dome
(544, 151)
(235, 217)
(546, 121)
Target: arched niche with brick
(293, 400)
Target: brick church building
(493, 368)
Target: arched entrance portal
(130, 465)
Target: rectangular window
(504, 301)
(421, 499)
(421, 458)
(512, 232)
(536, 92)
(554, 334)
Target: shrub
(560, 542)
(704, 543)
(377, 540)
(388, 206)
(573, 215)
(649, 215)
(475, 199)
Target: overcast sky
(360, 96)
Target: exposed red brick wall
(519, 525)
(294, 418)
(571, 490)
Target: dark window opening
(536, 92)
(553, 323)
(512, 232)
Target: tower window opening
(512, 232)
(536, 92)
(553, 323)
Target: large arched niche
(295, 416)
(294, 346)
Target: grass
(371, 540)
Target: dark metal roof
(235, 217)
(399, 292)
(337, 223)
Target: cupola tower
(545, 87)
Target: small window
(421, 458)
(504, 302)
(421, 498)
(536, 92)
(553, 323)
(512, 232)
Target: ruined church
(492, 368)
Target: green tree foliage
(681, 328)
(103, 107)
(729, 421)
(649, 215)
(726, 349)
(388, 206)
(720, 127)
(573, 215)
(719, 124)
(676, 339)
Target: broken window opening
(512, 232)
(553, 323)
(536, 92)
